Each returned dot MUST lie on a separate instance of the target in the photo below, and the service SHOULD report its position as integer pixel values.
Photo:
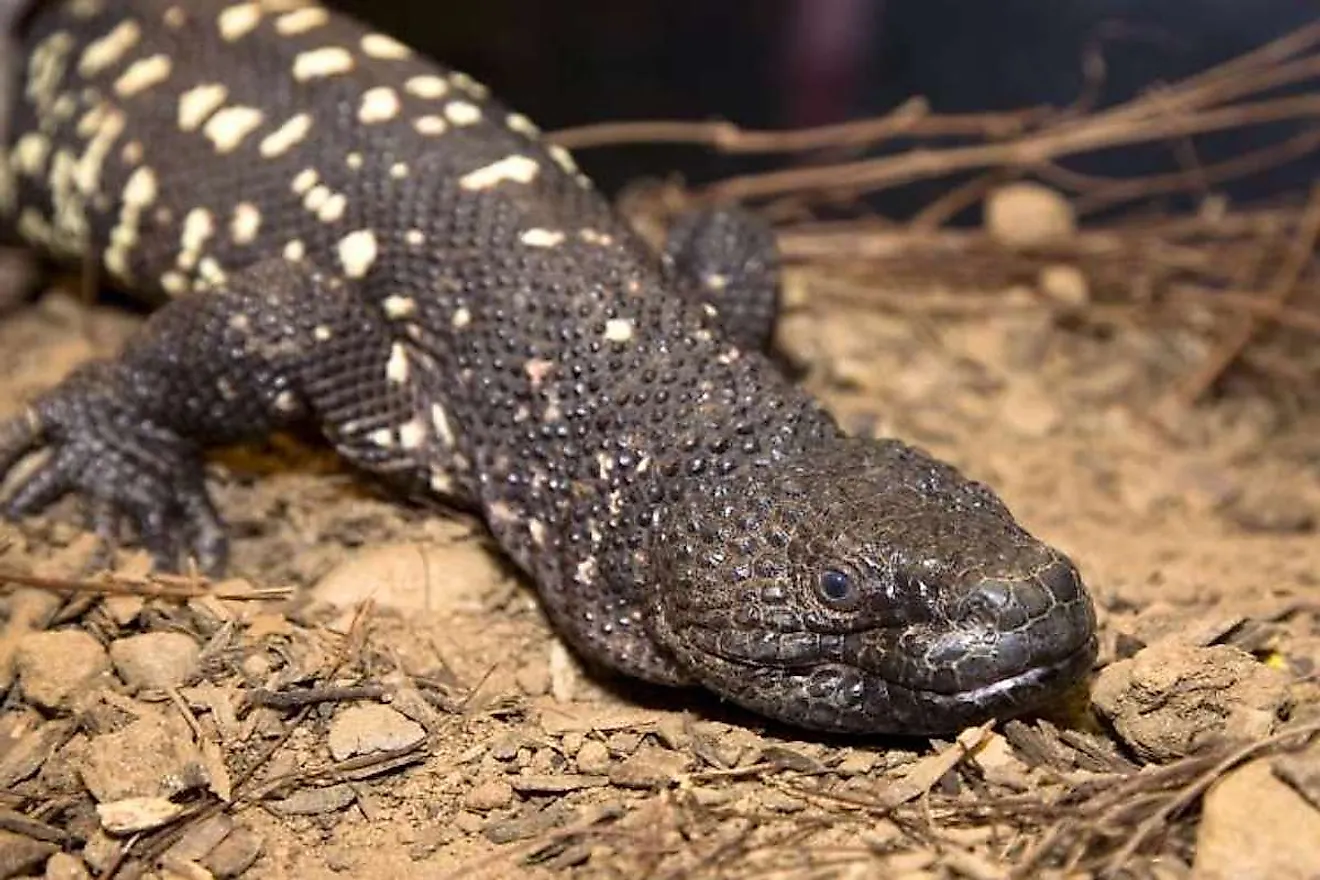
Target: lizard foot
(128, 468)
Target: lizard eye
(836, 587)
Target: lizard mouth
(926, 677)
(829, 693)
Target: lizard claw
(125, 466)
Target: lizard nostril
(987, 603)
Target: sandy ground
(457, 737)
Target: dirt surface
(442, 730)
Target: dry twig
(159, 586)
(1285, 280)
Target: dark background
(781, 63)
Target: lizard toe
(126, 469)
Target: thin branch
(1100, 192)
(1285, 280)
(157, 587)
(1198, 786)
(1027, 152)
(912, 118)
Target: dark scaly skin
(458, 311)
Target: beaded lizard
(348, 235)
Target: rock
(533, 678)
(234, 855)
(219, 845)
(30, 610)
(63, 866)
(857, 762)
(201, 838)
(796, 759)
(54, 666)
(777, 801)
(593, 758)
(1065, 285)
(532, 823)
(154, 756)
(1255, 826)
(419, 577)
(123, 610)
(489, 794)
(1301, 770)
(102, 852)
(565, 673)
(557, 719)
(21, 855)
(134, 814)
(1000, 765)
(468, 822)
(1027, 215)
(1170, 699)
(371, 727)
(650, 767)
(24, 756)
(673, 732)
(314, 801)
(156, 661)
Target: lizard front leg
(280, 343)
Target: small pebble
(856, 763)
(123, 610)
(26, 749)
(155, 756)
(1065, 285)
(53, 666)
(505, 748)
(593, 757)
(624, 742)
(773, 799)
(201, 838)
(371, 727)
(468, 822)
(785, 758)
(533, 679)
(413, 577)
(489, 794)
(21, 855)
(650, 767)
(528, 824)
(314, 801)
(711, 797)
(1255, 825)
(101, 851)
(1026, 215)
(63, 866)
(134, 814)
(341, 859)
(234, 855)
(572, 742)
(672, 731)
(1301, 770)
(156, 661)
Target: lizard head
(866, 587)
